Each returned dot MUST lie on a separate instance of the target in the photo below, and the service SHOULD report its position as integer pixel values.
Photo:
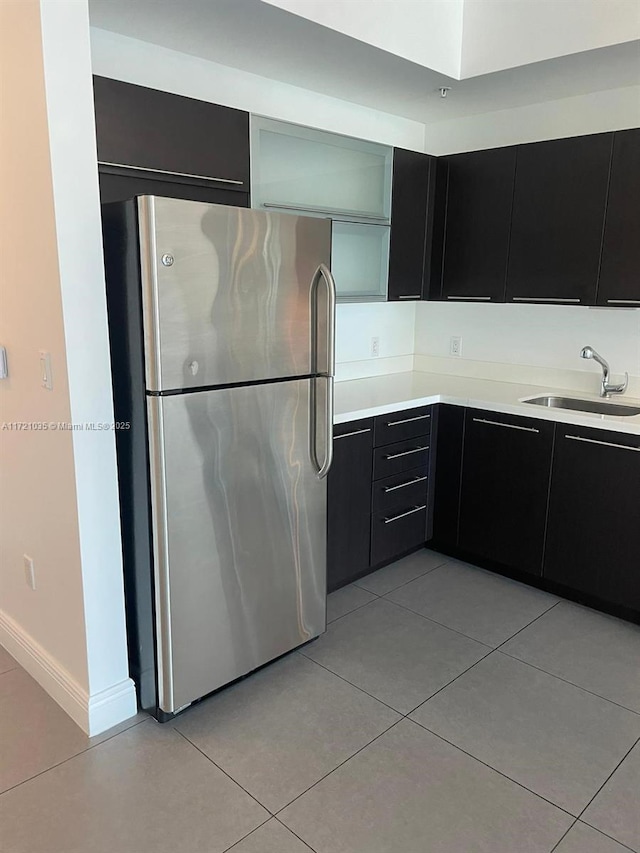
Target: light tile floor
(446, 710)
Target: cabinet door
(409, 223)
(620, 269)
(593, 538)
(505, 483)
(558, 215)
(349, 503)
(448, 470)
(160, 131)
(478, 220)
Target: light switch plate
(45, 370)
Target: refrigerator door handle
(321, 469)
(323, 272)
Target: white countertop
(376, 395)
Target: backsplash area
(357, 324)
(536, 344)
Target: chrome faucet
(606, 390)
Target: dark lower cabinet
(349, 503)
(593, 538)
(410, 223)
(619, 283)
(400, 497)
(557, 220)
(394, 532)
(505, 483)
(448, 471)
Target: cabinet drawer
(401, 456)
(396, 426)
(407, 488)
(395, 532)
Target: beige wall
(38, 513)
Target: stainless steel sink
(598, 407)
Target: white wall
(498, 34)
(392, 322)
(545, 336)
(37, 485)
(60, 498)
(597, 112)
(428, 32)
(67, 67)
(158, 67)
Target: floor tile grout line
(529, 624)
(222, 770)
(351, 684)
(606, 835)
(288, 828)
(435, 622)
(337, 767)
(448, 684)
(617, 767)
(563, 836)
(71, 757)
(571, 683)
(349, 612)
(495, 769)
(427, 572)
(244, 837)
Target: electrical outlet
(375, 347)
(455, 345)
(29, 571)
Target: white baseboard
(94, 714)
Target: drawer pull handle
(623, 301)
(508, 426)
(408, 420)
(402, 485)
(406, 452)
(172, 174)
(411, 296)
(603, 443)
(391, 518)
(355, 432)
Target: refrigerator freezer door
(226, 293)
(239, 532)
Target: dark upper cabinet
(448, 470)
(410, 221)
(349, 503)
(505, 483)
(163, 132)
(558, 216)
(477, 225)
(593, 537)
(620, 267)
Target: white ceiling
(262, 39)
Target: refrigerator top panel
(227, 294)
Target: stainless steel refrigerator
(222, 337)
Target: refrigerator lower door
(239, 517)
